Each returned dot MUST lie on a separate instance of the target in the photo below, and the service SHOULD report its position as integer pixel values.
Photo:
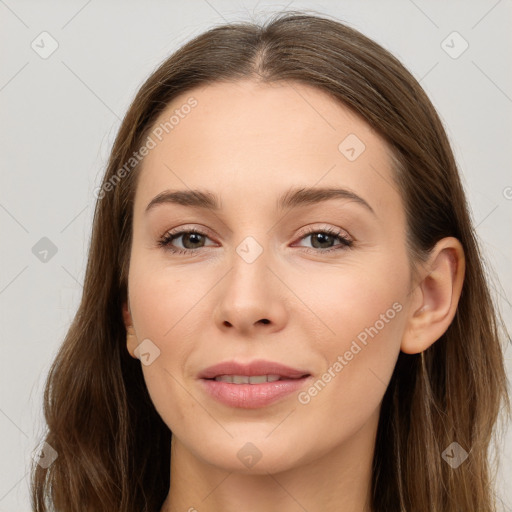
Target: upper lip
(257, 367)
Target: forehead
(247, 139)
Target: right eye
(189, 237)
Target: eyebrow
(293, 198)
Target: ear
(435, 298)
(131, 338)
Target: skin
(249, 143)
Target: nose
(251, 299)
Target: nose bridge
(248, 277)
(248, 296)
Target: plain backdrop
(60, 113)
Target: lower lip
(252, 396)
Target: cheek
(349, 390)
(344, 301)
(365, 312)
(167, 309)
(162, 299)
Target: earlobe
(131, 338)
(127, 317)
(437, 294)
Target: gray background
(60, 115)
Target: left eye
(321, 239)
(193, 239)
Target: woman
(284, 275)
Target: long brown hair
(114, 449)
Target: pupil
(325, 236)
(191, 236)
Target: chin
(253, 457)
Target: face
(315, 281)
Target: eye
(192, 239)
(321, 240)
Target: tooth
(224, 378)
(257, 379)
(244, 379)
(240, 379)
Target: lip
(252, 396)
(257, 367)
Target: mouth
(253, 385)
(253, 379)
(258, 368)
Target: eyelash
(166, 240)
